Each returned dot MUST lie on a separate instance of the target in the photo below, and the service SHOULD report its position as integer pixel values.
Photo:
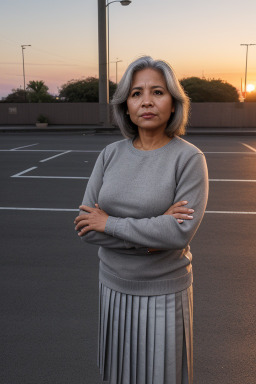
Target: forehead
(148, 76)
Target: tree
(83, 90)
(17, 96)
(211, 90)
(37, 92)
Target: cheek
(132, 107)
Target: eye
(158, 92)
(136, 94)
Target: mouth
(148, 115)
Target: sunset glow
(72, 53)
(250, 88)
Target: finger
(183, 216)
(81, 225)
(180, 203)
(84, 231)
(86, 208)
(180, 221)
(80, 217)
(183, 210)
(97, 206)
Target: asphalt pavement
(49, 277)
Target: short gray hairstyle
(178, 119)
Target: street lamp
(104, 60)
(117, 61)
(22, 48)
(245, 78)
(124, 3)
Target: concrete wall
(233, 115)
(57, 113)
(202, 114)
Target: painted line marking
(22, 173)
(40, 209)
(231, 153)
(53, 150)
(48, 177)
(53, 157)
(234, 180)
(77, 210)
(232, 213)
(25, 146)
(248, 146)
(98, 151)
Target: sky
(198, 38)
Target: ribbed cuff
(111, 225)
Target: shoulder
(115, 149)
(185, 155)
(185, 151)
(188, 148)
(120, 144)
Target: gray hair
(178, 119)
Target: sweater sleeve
(164, 231)
(90, 198)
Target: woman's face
(149, 102)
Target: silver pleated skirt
(145, 339)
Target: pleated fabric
(145, 339)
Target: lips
(148, 115)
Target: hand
(95, 220)
(180, 212)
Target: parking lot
(49, 282)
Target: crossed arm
(96, 218)
(161, 232)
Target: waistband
(145, 288)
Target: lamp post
(104, 59)
(122, 2)
(117, 61)
(245, 77)
(22, 48)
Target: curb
(113, 130)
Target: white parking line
(47, 177)
(76, 210)
(53, 157)
(53, 177)
(39, 209)
(98, 151)
(248, 146)
(54, 150)
(234, 180)
(22, 173)
(232, 212)
(231, 153)
(25, 146)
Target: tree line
(86, 90)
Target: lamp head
(125, 2)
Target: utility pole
(24, 80)
(245, 77)
(103, 65)
(116, 62)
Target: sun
(250, 88)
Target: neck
(147, 141)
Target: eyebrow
(153, 87)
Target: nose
(147, 100)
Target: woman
(143, 204)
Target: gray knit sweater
(135, 188)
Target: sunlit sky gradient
(198, 38)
